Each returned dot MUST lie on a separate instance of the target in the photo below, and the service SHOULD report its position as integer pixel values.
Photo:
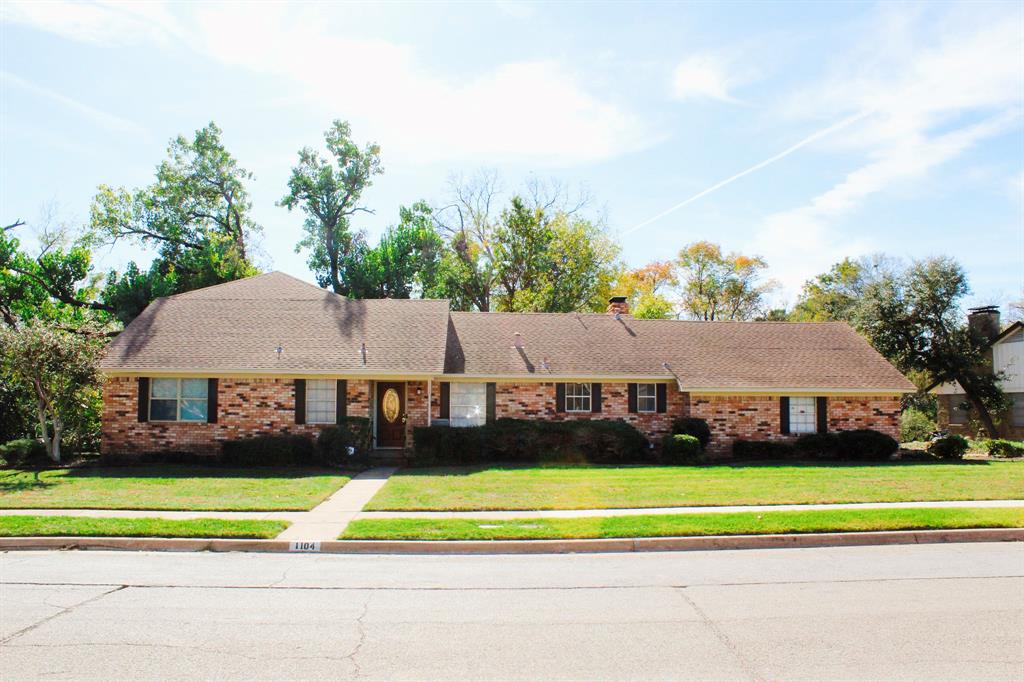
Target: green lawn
(81, 526)
(584, 487)
(672, 525)
(192, 488)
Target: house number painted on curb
(304, 546)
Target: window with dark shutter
(492, 390)
(822, 410)
(341, 401)
(444, 409)
(300, 401)
(784, 415)
(211, 401)
(662, 398)
(143, 399)
(559, 397)
(631, 397)
(595, 397)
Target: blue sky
(890, 127)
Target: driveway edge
(701, 543)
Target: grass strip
(673, 525)
(84, 526)
(603, 487)
(169, 487)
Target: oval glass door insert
(390, 405)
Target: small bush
(679, 448)
(275, 450)
(763, 449)
(949, 447)
(346, 443)
(865, 445)
(529, 441)
(818, 445)
(693, 426)
(915, 426)
(22, 451)
(1005, 448)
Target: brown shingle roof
(238, 326)
(702, 355)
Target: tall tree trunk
(978, 405)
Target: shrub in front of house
(818, 446)
(270, 450)
(865, 445)
(1005, 448)
(23, 451)
(949, 447)
(518, 440)
(915, 426)
(348, 443)
(763, 449)
(681, 448)
(693, 426)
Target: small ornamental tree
(59, 369)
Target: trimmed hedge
(857, 445)
(681, 448)
(949, 447)
(818, 445)
(597, 441)
(865, 445)
(270, 450)
(22, 451)
(346, 443)
(693, 426)
(1005, 448)
(763, 449)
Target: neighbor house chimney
(984, 321)
(617, 305)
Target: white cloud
(702, 76)
(537, 111)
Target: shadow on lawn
(13, 483)
(196, 471)
(467, 469)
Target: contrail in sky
(781, 155)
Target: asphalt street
(921, 612)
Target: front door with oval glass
(390, 414)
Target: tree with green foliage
(721, 286)
(329, 190)
(196, 214)
(58, 368)
(836, 295)
(913, 318)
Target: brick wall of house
(246, 408)
(416, 407)
(747, 417)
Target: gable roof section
(711, 356)
(237, 326)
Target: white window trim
(794, 401)
(177, 402)
(333, 388)
(653, 398)
(585, 398)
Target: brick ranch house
(273, 354)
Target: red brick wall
(747, 417)
(246, 408)
(416, 407)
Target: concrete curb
(526, 546)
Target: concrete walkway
(580, 513)
(326, 520)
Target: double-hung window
(321, 401)
(178, 400)
(467, 404)
(802, 415)
(646, 398)
(577, 398)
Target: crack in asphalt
(747, 667)
(63, 611)
(361, 629)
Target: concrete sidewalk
(641, 511)
(326, 520)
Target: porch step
(388, 457)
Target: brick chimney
(984, 321)
(617, 305)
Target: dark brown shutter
(662, 393)
(143, 399)
(559, 397)
(300, 401)
(492, 390)
(631, 397)
(784, 414)
(595, 397)
(822, 413)
(444, 410)
(341, 401)
(211, 401)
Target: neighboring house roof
(700, 355)
(237, 327)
